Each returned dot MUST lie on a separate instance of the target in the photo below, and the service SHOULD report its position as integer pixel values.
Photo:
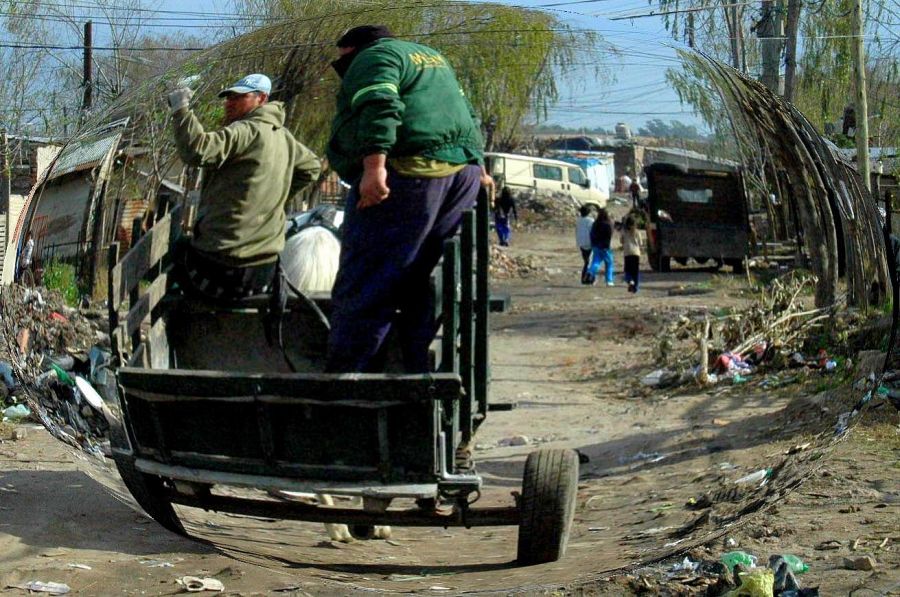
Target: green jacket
(402, 99)
(250, 169)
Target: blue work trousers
(501, 225)
(387, 254)
(604, 256)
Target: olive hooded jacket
(250, 169)
(402, 99)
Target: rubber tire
(547, 505)
(148, 492)
(737, 266)
(681, 260)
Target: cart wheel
(148, 492)
(547, 505)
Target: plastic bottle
(759, 475)
(733, 558)
(796, 565)
(62, 375)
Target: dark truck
(696, 214)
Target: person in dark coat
(506, 204)
(601, 241)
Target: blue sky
(644, 52)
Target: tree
(675, 129)
(509, 60)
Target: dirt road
(570, 358)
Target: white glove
(180, 98)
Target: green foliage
(509, 60)
(60, 277)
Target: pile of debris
(546, 210)
(504, 266)
(772, 333)
(51, 357)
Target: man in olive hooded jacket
(251, 167)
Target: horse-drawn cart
(206, 401)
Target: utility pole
(862, 108)
(88, 99)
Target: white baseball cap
(255, 82)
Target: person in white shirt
(583, 239)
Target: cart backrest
(352, 427)
(145, 261)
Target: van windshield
(576, 176)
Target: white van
(543, 176)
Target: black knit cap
(363, 36)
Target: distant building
(29, 158)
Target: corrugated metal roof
(82, 154)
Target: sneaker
(610, 284)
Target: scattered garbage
(796, 565)
(195, 584)
(516, 440)
(755, 583)
(54, 346)
(53, 588)
(760, 475)
(733, 558)
(685, 565)
(80, 566)
(15, 413)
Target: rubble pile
(504, 266)
(546, 210)
(50, 356)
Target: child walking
(601, 241)
(583, 240)
(631, 249)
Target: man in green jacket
(250, 169)
(407, 140)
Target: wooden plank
(159, 397)
(140, 311)
(139, 358)
(467, 325)
(158, 344)
(450, 316)
(482, 306)
(364, 387)
(147, 252)
(113, 313)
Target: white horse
(310, 262)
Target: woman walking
(631, 249)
